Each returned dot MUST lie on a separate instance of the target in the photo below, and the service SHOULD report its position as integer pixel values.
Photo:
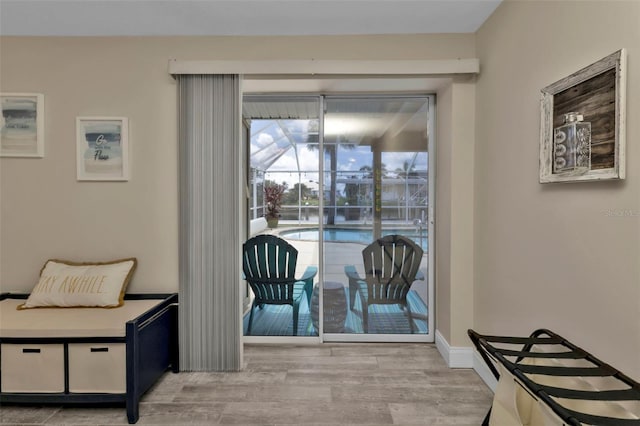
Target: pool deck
(337, 255)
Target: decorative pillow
(70, 284)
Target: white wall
(46, 213)
(512, 255)
(551, 255)
(454, 210)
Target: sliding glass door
(284, 198)
(355, 179)
(376, 245)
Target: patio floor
(388, 319)
(277, 320)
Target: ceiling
(240, 17)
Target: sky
(274, 144)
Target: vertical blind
(209, 172)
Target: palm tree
(331, 149)
(407, 168)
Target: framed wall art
(102, 148)
(22, 125)
(582, 133)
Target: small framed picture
(582, 134)
(22, 125)
(102, 148)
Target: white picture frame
(596, 94)
(22, 125)
(102, 148)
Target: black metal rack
(534, 348)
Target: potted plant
(273, 194)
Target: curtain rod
(328, 68)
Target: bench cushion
(69, 322)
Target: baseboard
(455, 357)
(465, 357)
(484, 372)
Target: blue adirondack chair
(269, 266)
(391, 265)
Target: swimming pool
(353, 235)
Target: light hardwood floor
(331, 384)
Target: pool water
(352, 235)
